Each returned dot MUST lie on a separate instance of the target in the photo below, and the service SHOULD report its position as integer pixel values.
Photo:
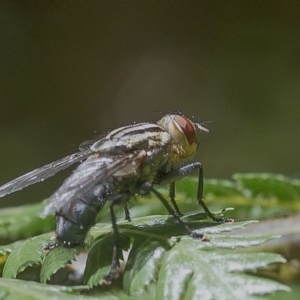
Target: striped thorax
(133, 137)
(175, 131)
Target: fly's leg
(127, 212)
(181, 172)
(172, 197)
(114, 261)
(192, 233)
(116, 200)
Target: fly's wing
(92, 172)
(42, 173)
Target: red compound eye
(187, 127)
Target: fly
(128, 161)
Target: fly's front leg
(149, 186)
(172, 197)
(181, 172)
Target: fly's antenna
(200, 127)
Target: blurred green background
(72, 69)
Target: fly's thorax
(183, 135)
(133, 137)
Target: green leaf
(6, 249)
(11, 289)
(25, 254)
(163, 262)
(54, 260)
(174, 266)
(212, 187)
(182, 276)
(267, 185)
(23, 222)
(99, 258)
(191, 270)
(143, 264)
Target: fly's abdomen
(75, 218)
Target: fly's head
(183, 134)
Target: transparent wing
(90, 173)
(42, 173)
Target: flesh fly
(128, 161)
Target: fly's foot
(128, 218)
(200, 236)
(178, 214)
(107, 280)
(228, 220)
(49, 245)
(221, 219)
(127, 212)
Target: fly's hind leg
(127, 212)
(116, 247)
(114, 261)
